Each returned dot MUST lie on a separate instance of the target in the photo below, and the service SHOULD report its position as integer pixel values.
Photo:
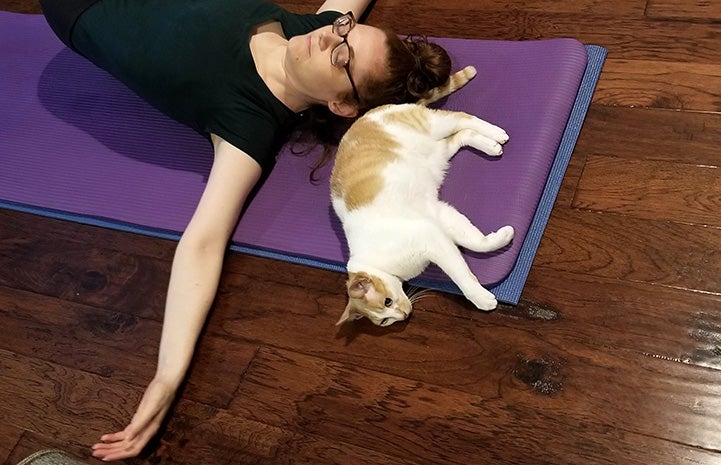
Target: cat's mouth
(389, 321)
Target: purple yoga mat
(74, 140)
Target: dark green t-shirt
(191, 59)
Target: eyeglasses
(340, 55)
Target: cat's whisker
(415, 302)
(418, 295)
(412, 289)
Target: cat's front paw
(495, 137)
(500, 135)
(483, 300)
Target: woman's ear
(344, 109)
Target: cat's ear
(348, 314)
(344, 109)
(358, 285)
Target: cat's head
(380, 299)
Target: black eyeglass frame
(345, 21)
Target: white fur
(406, 226)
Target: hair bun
(431, 69)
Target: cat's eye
(388, 302)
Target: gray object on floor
(50, 457)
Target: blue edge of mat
(507, 291)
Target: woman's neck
(268, 47)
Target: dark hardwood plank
(631, 249)
(626, 37)
(113, 345)
(655, 321)
(84, 273)
(631, 8)
(659, 84)
(669, 191)
(702, 10)
(21, 6)
(61, 402)
(651, 134)
(19, 229)
(405, 417)
(205, 435)
(9, 436)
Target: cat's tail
(454, 82)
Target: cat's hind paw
(493, 241)
(483, 300)
(504, 235)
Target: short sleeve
(294, 25)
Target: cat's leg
(447, 123)
(466, 234)
(446, 255)
(486, 129)
(470, 138)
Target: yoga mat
(76, 144)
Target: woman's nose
(328, 40)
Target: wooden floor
(613, 357)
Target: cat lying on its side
(384, 188)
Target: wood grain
(663, 135)
(613, 355)
(91, 275)
(630, 249)
(669, 191)
(658, 84)
(701, 10)
(405, 417)
(9, 436)
(112, 344)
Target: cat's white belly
(397, 245)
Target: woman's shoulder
(299, 24)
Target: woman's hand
(145, 423)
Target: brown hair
(414, 67)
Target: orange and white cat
(384, 188)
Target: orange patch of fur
(366, 149)
(414, 118)
(454, 82)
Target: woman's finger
(113, 437)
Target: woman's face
(308, 61)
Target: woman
(240, 72)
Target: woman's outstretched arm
(358, 7)
(193, 285)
